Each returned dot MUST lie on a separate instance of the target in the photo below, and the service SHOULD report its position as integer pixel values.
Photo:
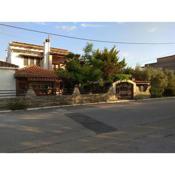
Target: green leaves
(162, 81)
(108, 62)
(94, 66)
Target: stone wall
(41, 101)
(136, 90)
(76, 98)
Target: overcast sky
(131, 32)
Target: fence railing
(9, 93)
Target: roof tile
(35, 71)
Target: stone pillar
(76, 95)
(111, 94)
(30, 92)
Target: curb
(72, 105)
(62, 106)
(156, 99)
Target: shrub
(17, 104)
(123, 77)
(139, 97)
(156, 92)
(169, 91)
(159, 82)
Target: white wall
(15, 59)
(7, 80)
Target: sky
(115, 31)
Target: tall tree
(94, 66)
(107, 60)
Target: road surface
(134, 127)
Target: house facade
(45, 56)
(35, 65)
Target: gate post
(111, 94)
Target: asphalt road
(135, 127)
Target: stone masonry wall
(41, 101)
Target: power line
(87, 39)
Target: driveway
(135, 127)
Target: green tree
(140, 73)
(76, 72)
(93, 67)
(107, 61)
(159, 82)
(170, 89)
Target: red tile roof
(35, 72)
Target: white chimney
(46, 54)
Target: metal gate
(124, 90)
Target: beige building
(167, 62)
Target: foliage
(123, 77)
(128, 70)
(159, 81)
(17, 104)
(170, 89)
(97, 69)
(94, 66)
(108, 62)
(162, 81)
(140, 73)
(140, 97)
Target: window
(25, 61)
(38, 62)
(31, 62)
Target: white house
(29, 64)
(26, 54)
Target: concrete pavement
(147, 126)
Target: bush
(159, 82)
(169, 92)
(140, 97)
(156, 92)
(170, 89)
(123, 77)
(17, 104)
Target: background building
(167, 62)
